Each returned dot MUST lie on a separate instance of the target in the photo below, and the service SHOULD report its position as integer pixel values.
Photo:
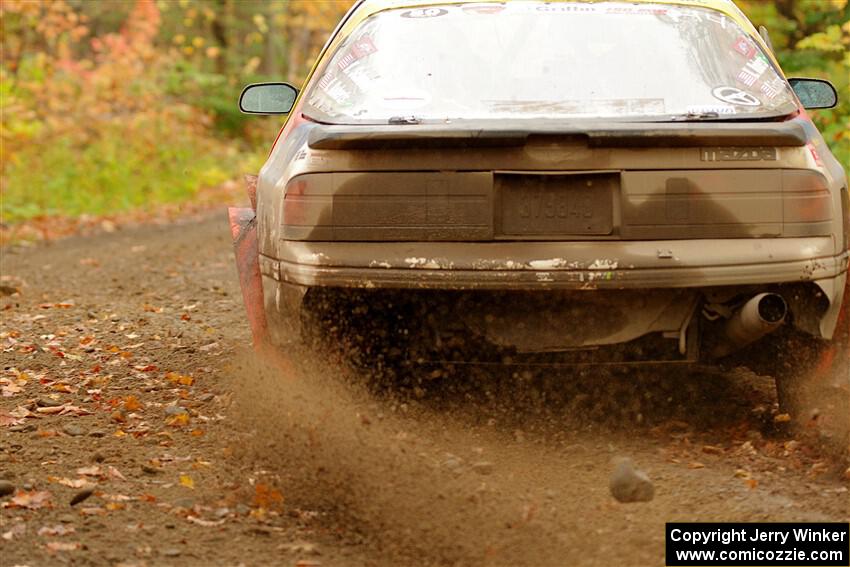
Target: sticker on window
(711, 109)
(424, 13)
(745, 47)
(734, 95)
(360, 49)
(752, 71)
(482, 8)
(772, 88)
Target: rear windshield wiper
(694, 116)
(404, 120)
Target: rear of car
(558, 183)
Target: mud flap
(834, 360)
(243, 229)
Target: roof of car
(366, 8)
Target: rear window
(609, 60)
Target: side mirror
(815, 93)
(267, 98)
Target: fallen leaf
(752, 483)
(205, 523)
(186, 480)
(131, 403)
(50, 410)
(117, 497)
(266, 496)
(15, 531)
(696, 465)
(21, 412)
(74, 410)
(10, 390)
(93, 470)
(781, 418)
(7, 420)
(112, 472)
(75, 483)
(57, 530)
(197, 432)
(179, 420)
(55, 546)
(177, 378)
(92, 511)
(32, 500)
(112, 506)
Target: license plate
(556, 205)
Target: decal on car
(738, 154)
(734, 95)
(482, 8)
(772, 88)
(753, 70)
(359, 49)
(745, 47)
(711, 109)
(424, 13)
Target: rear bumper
(556, 265)
(499, 266)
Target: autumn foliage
(115, 106)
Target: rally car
(564, 183)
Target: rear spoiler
(597, 135)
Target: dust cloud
(487, 466)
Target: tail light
(805, 198)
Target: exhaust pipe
(759, 316)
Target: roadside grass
(120, 169)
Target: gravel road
(128, 389)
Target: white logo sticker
(424, 13)
(734, 95)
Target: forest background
(128, 105)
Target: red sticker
(483, 9)
(745, 47)
(360, 49)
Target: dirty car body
(522, 182)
